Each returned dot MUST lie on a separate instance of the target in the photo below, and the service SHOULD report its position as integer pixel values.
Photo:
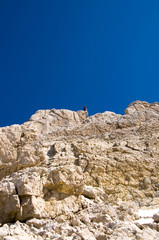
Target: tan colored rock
(31, 207)
(70, 176)
(29, 185)
(85, 234)
(9, 141)
(9, 202)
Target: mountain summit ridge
(67, 175)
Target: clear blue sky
(70, 53)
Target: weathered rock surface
(64, 175)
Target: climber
(85, 108)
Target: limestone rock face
(65, 175)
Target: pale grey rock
(85, 234)
(44, 120)
(37, 223)
(4, 231)
(18, 231)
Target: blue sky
(67, 54)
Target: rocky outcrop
(64, 175)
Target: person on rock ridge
(85, 108)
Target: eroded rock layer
(64, 175)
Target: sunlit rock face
(67, 175)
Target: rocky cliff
(64, 175)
